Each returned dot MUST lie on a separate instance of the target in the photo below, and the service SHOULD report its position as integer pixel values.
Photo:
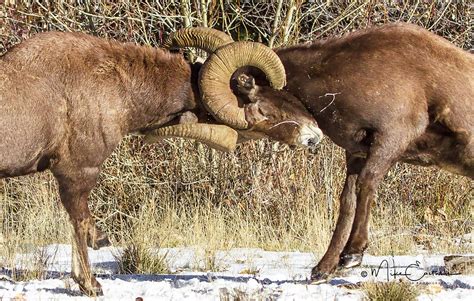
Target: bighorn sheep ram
(385, 94)
(67, 99)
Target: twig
(332, 101)
(275, 23)
(441, 16)
(289, 19)
(204, 4)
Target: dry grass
(236, 294)
(180, 193)
(136, 259)
(390, 291)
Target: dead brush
(34, 268)
(236, 294)
(275, 198)
(31, 265)
(210, 262)
(137, 259)
(390, 291)
(140, 254)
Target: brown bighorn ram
(67, 99)
(386, 94)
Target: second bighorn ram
(385, 94)
(67, 99)
(394, 93)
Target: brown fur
(385, 94)
(66, 101)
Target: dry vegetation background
(181, 193)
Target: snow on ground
(252, 273)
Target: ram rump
(67, 99)
(394, 93)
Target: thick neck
(157, 86)
(300, 62)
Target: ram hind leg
(460, 124)
(467, 159)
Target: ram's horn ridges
(217, 136)
(216, 73)
(207, 39)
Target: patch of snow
(252, 273)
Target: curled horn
(225, 58)
(220, 137)
(207, 39)
(216, 73)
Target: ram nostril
(313, 141)
(310, 136)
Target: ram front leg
(74, 189)
(347, 208)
